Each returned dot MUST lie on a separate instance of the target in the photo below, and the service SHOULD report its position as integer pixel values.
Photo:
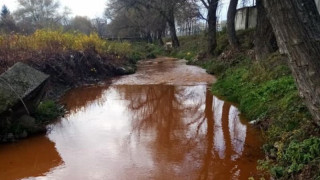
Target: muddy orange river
(161, 123)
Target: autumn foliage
(17, 47)
(58, 41)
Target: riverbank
(84, 60)
(267, 95)
(67, 71)
(160, 123)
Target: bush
(58, 41)
(48, 111)
(299, 154)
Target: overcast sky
(95, 8)
(90, 8)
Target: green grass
(194, 48)
(48, 111)
(190, 47)
(142, 50)
(266, 92)
(45, 113)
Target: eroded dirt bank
(67, 70)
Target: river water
(161, 123)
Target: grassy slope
(266, 92)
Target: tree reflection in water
(189, 130)
(78, 99)
(150, 131)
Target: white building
(246, 17)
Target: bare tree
(232, 37)
(211, 6)
(7, 23)
(165, 9)
(38, 13)
(132, 19)
(168, 9)
(81, 24)
(187, 17)
(41, 13)
(65, 19)
(100, 26)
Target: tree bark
(296, 24)
(231, 30)
(265, 40)
(212, 26)
(161, 30)
(172, 27)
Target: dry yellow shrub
(58, 41)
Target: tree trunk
(149, 37)
(159, 36)
(296, 24)
(232, 37)
(172, 27)
(212, 26)
(265, 40)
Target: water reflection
(32, 157)
(91, 94)
(237, 132)
(190, 126)
(152, 132)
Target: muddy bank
(67, 70)
(71, 69)
(76, 68)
